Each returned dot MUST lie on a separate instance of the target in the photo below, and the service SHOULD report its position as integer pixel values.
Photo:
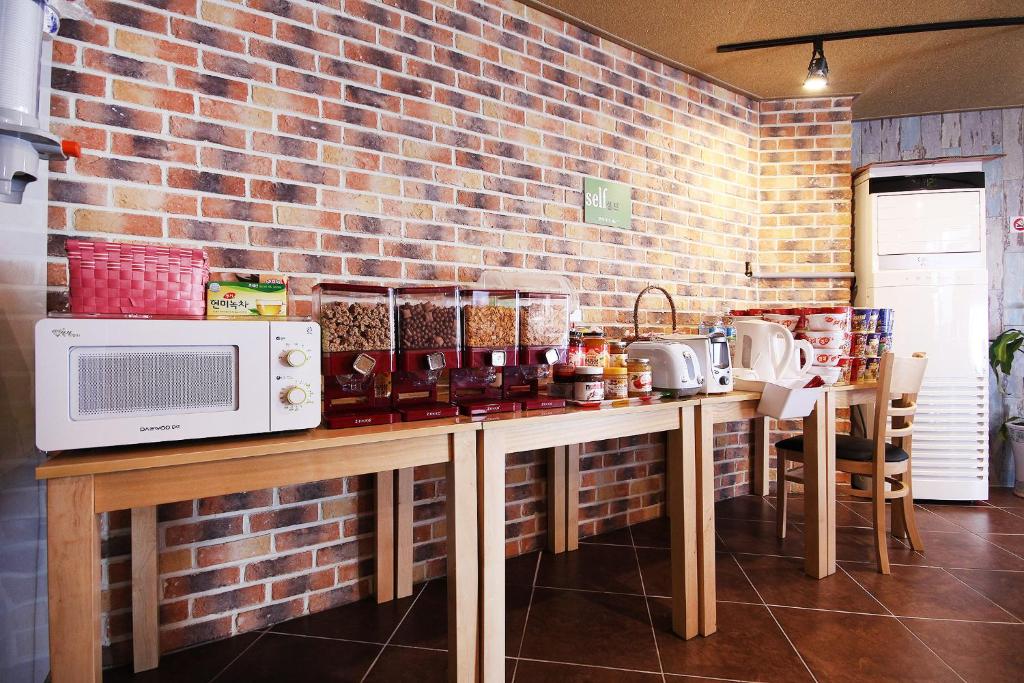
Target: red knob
(71, 148)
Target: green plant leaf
(1002, 350)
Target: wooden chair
(899, 382)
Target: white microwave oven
(109, 382)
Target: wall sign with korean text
(607, 203)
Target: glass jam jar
(595, 350)
(616, 385)
(563, 381)
(574, 354)
(616, 354)
(589, 384)
(639, 377)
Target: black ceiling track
(872, 32)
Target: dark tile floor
(954, 613)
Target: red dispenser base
(487, 407)
(427, 411)
(543, 403)
(360, 418)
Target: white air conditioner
(919, 239)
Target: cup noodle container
(885, 316)
(825, 340)
(788, 320)
(859, 347)
(830, 376)
(826, 358)
(864, 319)
(845, 367)
(857, 370)
(884, 343)
(836, 319)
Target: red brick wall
(419, 141)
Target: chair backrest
(899, 381)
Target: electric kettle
(769, 351)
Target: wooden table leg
(572, 496)
(704, 458)
(145, 590)
(759, 484)
(556, 500)
(463, 580)
(830, 482)
(385, 559)
(815, 491)
(491, 490)
(73, 580)
(682, 500)
(403, 533)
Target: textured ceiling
(891, 75)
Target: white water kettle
(769, 351)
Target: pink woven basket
(114, 278)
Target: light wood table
(819, 466)
(563, 430)
(81, 486)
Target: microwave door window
(112, 382)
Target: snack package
(267, 297)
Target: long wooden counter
(82, 485)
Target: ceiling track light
(817, 70)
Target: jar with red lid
(574, 354)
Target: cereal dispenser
(358, 343)
(543, 341)
(490, 327)
(428, 343)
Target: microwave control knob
(294, 396)
(295, 358)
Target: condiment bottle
(616, 385)
(563, 381)
(574, 356)
(589, 384)
(595, 349)
(616, 354)
(639, 370)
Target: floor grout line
(972, 588)
(905, 620)
(239, 656)
(886, 608)
(647, 606)
(526, 620)
(401, 621)
(776, 620)
(588, 666)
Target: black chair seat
(848, 448)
